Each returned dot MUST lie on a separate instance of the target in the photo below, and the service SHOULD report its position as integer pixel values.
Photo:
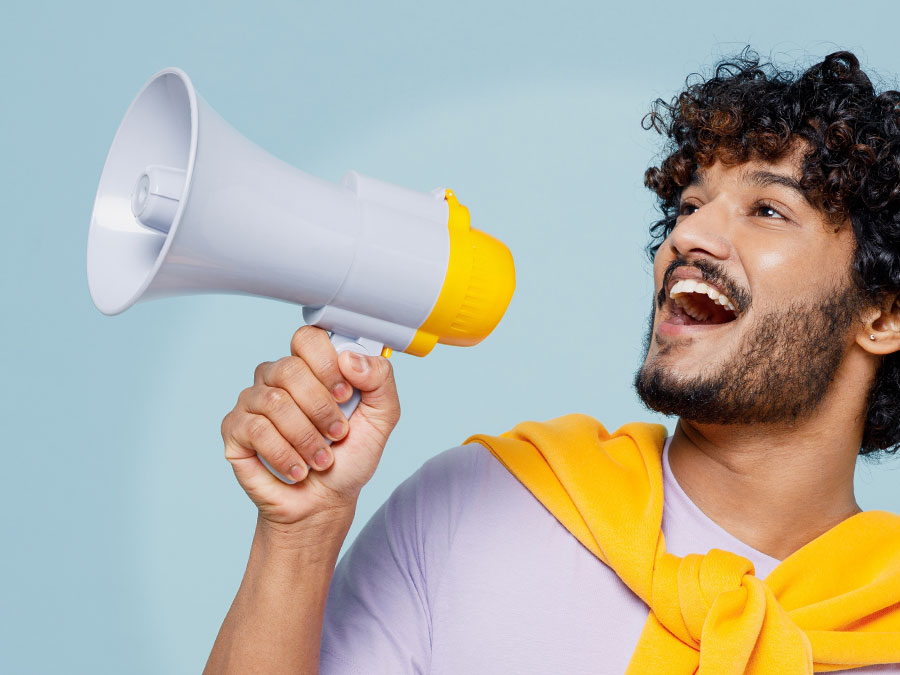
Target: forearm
(275, 622)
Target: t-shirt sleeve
(378, 615)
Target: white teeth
(725, 302)
(685, 286)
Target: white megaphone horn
(188, 205)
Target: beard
(779, 374)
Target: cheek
(773, 271)
(660, 262)
(772, 260)
(783, 272)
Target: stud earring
(872, 337)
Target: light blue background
(124, 534)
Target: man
(773, 338)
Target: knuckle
(225, 427)
(281, 457)
(304, 336)
(380, 368)
(257, 428)
(327, 371)
(290, 370)
(261, 369)
(308, 439)
(326, 359)
(321, 409)
(274, 399)
(245, 395)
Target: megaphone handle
(342, 343)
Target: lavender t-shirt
(463, 571)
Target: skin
(275, 622)
(774, 486)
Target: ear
(880, 331)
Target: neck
(775, 487)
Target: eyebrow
(765, 178)
(760, 179)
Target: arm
(275, 622)
(287, 416)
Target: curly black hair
(749, 110)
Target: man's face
(766, 349)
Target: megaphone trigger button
(386, 352)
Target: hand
(288, 413)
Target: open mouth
(695, 303)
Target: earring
(872, 337)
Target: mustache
(712, 272)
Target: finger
(279, 407)
(314, 346)
(260, 371)
(374, 377)
(251, 473)
(293, 375)
(257, 433)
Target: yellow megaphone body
(186, 204)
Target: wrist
(316, 535)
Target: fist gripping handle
(342, 343)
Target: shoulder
(459, 500)
(461, 475)
(448, 488)
(459, 507)
(464, 504)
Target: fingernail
(341, 391)
(358, 362)
(297, 472)
(322, 459)
(336, 430)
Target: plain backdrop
(124, 533)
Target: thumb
(373, 376)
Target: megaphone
(187, 205)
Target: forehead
(789, 165)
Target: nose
(704, 233)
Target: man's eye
(766, 211)
(687, 209)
